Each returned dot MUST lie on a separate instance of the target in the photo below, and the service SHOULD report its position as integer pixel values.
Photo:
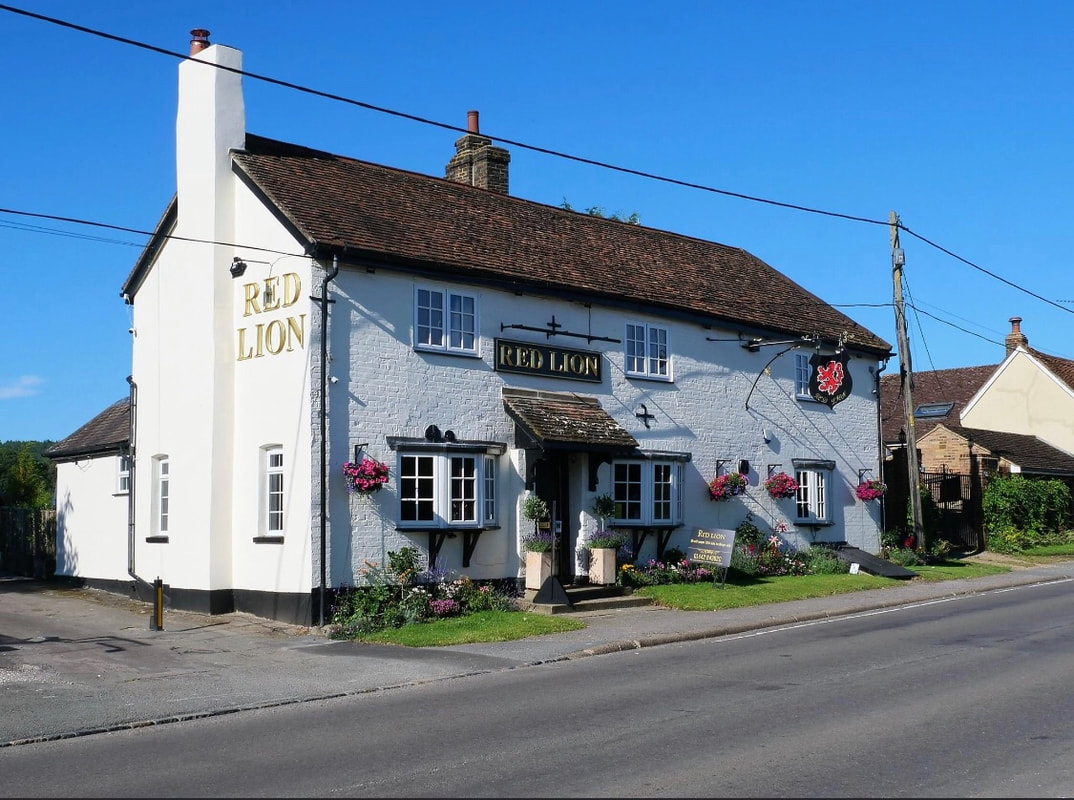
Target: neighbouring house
(971, 423)
(299, 312)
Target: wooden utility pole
(906, 376)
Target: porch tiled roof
(557, 420)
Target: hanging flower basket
(871, 489)
(781, 485)
(724, 487)
(366, 476)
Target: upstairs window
(646, 352)
(445, 321)
(802, 369)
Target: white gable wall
(91, 532)
(1024, 396)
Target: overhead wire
(514, 143)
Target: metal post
(157, 622)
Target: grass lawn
(485, 626)
(739, 590)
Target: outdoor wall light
(744, 467)
(238, 267)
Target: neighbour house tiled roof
(561, 420)
(378, 215)
(1062, 367)
(1027, 452)
(957, 385)
(108, 432)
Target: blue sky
(956, 115)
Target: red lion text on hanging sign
(829, 378)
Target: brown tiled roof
(559, 420)
(108, 432)
(957, 385)
(367, 213)
(1028, 452)
(1062, 367)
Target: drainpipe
(130, 489)
(324, 426)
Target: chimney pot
(471, 122)
(200, 41)
(1016, 338)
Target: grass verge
(484, 626)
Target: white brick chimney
(211, 121)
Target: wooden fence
(28, 541)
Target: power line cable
(525, 146)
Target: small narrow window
(274, 481)
(162, 495)
(490, 489)
(801, 376)
(123, 479)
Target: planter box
(538, 569)
(602, 565)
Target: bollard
(157, 622)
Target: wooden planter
(538, 569)
(602, 565)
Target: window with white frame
(123, 477)
(811, 500)
(447, 489)
(272, 482)
(161, 494)
(802, 371)
(647, 492)
(445, 321)
(646, 352)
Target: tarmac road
(74, 662)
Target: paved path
(79, 661)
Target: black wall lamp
(238, 267)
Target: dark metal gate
(959, 505)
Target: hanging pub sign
(542, 359)
(829, 378)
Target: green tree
(27, 476)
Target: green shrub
(1014, 501)
(403, 594)
(822, 560)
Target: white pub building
(296, 311)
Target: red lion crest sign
(829, 378)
